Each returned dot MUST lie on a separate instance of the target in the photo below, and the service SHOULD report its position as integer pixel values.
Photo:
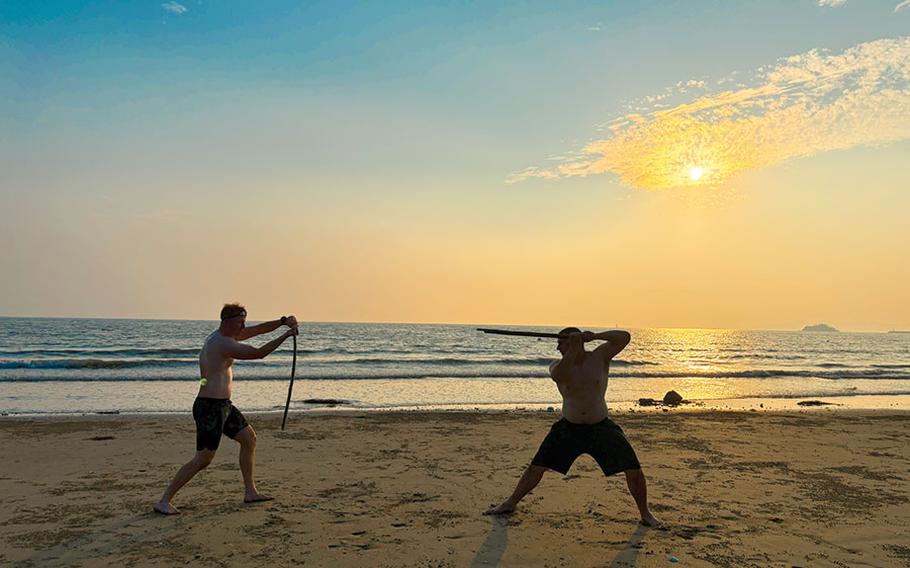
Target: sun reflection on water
(699, 351)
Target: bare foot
(650, 520)
(505, 509)
(165, 508)
(256, 497)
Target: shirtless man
(213, 412)
(581, 377)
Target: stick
(291, 385)
(520, 333)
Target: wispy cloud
(831, 3)
(813, 102)
(175, 8)
(902, 6)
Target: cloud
(175, 8)
(903, 5)
(802, 105)
(831, 3)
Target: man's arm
(265, 327)
(237, 350)
(615, 341)
(561, 371)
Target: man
(213, 412)
(581, 377)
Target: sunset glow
(799, 106)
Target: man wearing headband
(213, 412)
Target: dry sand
(815, 488)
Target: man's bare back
(216, 366)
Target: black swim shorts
(216, 416)
(604, 441)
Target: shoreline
(839, 403)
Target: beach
(814, 487)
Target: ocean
(72, 366)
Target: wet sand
(800, 488)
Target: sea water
(117, 365)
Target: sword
(520, 333)
(287, 405)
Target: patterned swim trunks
(216, 416)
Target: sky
(636, 164)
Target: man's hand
(291, 332)
(291, 321)
(588, 336)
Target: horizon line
(109, 318)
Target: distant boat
(819, 327)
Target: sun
(695, 172)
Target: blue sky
(471, 58)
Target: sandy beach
(800, 488)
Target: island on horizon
(820, 327)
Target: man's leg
(199, 462)
(529, 480)
(638, 487)
(247, 440)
